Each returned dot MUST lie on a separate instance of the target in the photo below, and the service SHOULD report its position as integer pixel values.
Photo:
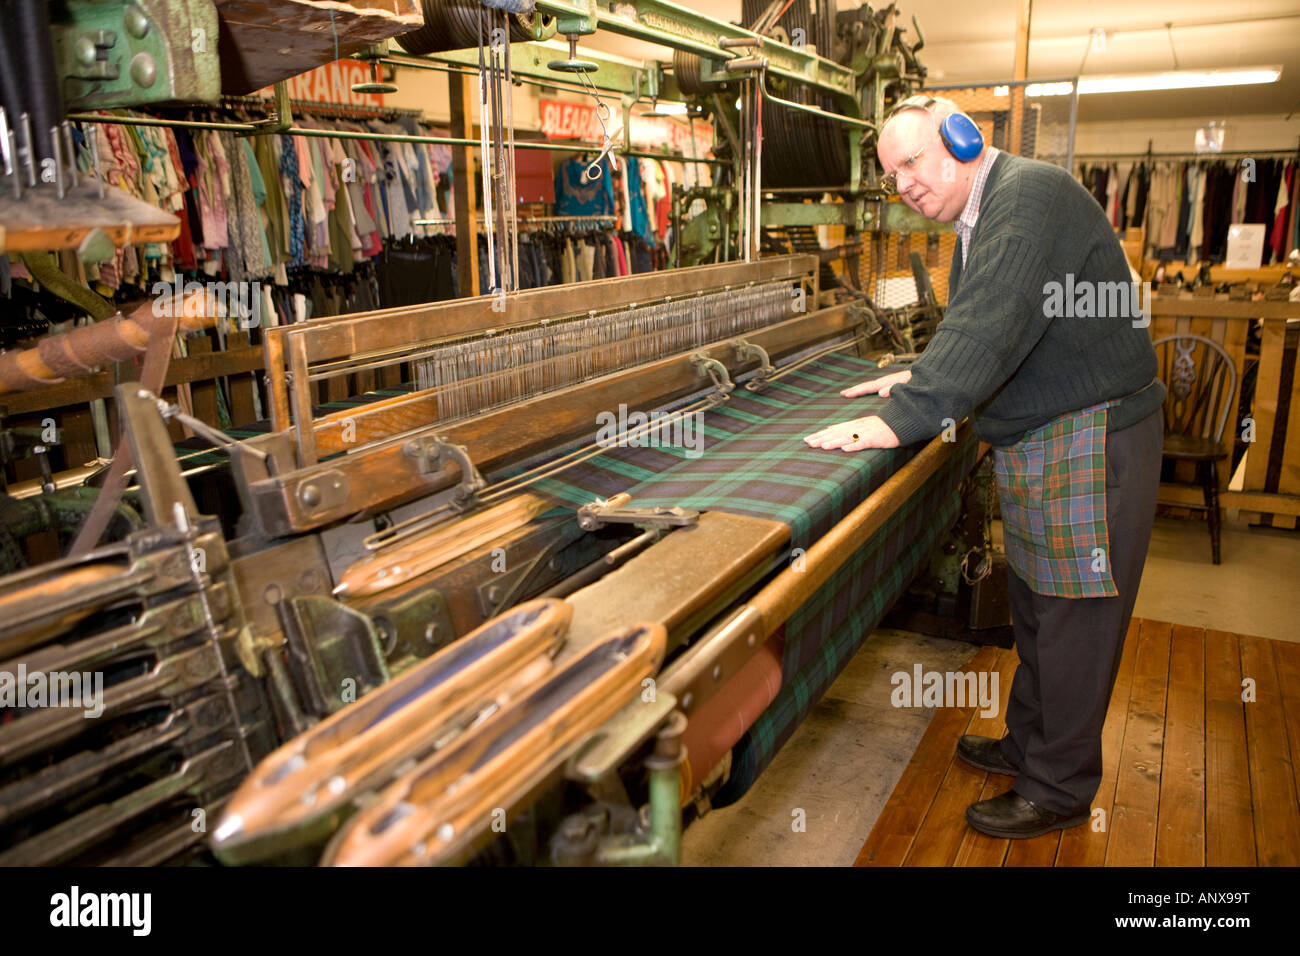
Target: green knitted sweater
(1042, 321)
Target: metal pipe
(563, 147)
(600, 567)
(814, 110)
(663, 844)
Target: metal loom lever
(746, 351)
(717, 372)
(431, 452)
(613, 511)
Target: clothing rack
(252, 128)
(1216, 155)
(328, 110)
(523, 219)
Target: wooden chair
(1202, 385)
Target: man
(1070, 401)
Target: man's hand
(857, 435)
(880, 386)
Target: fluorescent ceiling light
(666, 109)
(1177, 80)
(1051, 89)
(1144, 82)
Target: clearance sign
(561, 120)
(578, 121)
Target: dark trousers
(1070, 647)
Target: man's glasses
(889, 182)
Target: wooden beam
(462, 183)
(77, 391)
(1020, 71)
(1262, 501)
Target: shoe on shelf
(1012, 817)
(986, 754)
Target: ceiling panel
(976, 42)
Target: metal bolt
(309, 580)
(85, 50)
(309, 495)
(136, 20)
(143, 70)
(717, 672)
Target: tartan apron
(1052, 487)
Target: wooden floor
(1194, 775)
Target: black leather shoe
(986, 754)
(1010, 816)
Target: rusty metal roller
(453, 25)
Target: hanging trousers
(1070, 648)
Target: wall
(1244, 133)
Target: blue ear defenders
(960, 135)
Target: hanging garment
(1112, 196)
(569, 269)
(586, 254)
(1196, 233)
(1282, 213)
(576, 195)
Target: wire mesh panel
(1030, 119)
(887, 272)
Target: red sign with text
(332, 83)
(561, 120)
(565, 120)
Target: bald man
(1067, 394)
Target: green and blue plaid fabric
(752, 459)
(1052, 490)
(833, 624)
(756, 463)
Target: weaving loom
(484, 488)
(433, 507)
(558, 556)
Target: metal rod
(29, 147)
(94, 164)
(5, 142)
(815, 111)
(1240, 152)
(56, 154)
(15, 173)
(70, 152)
(564, 147)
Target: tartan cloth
(754, 461)
(1052, 490)
(833, 624)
